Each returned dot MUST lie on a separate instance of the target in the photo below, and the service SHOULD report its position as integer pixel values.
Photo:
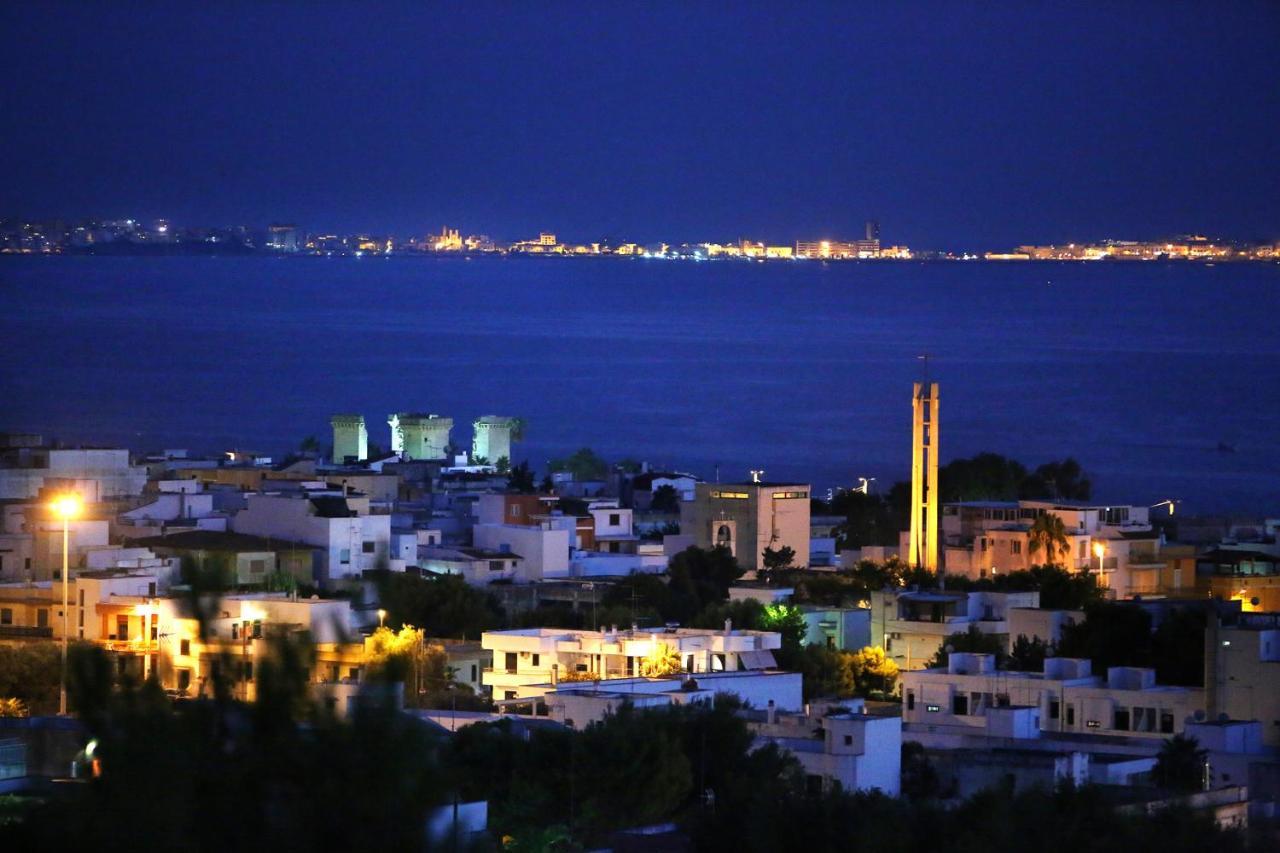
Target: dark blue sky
(955, 125)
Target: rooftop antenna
(756, 474)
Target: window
(1120, 722)
(257, 567)
(960, 706)
(1055, 709)
(184, 679)
(344, 556)
(235, 630)
(6, 616)
(473, 672)
(615, 519)
(1015, 547)
(248, 670)
(368, 547)
(509, 694)
(184, 648)
(1166, 722)
(911, 700)
(515, 511)
(733, 496)
(511, 661)
(787, 496)
(42, 618)
(848, 740)
(1071, 715)
(257, 629)
(496, 565)
(354, 673)
(122, 627)
(536, 659)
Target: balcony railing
(14, 631)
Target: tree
(1028, 654)
(310, 444)
(869, 520)
(871, 671)
(919, 778)
(443, 606)
(699, 577)
(520, 479)
(584, 464)
(30, 676)
(987, 476)
(972, 640)
(665, 499)
(788, 620)
(503, 465)
(777, 558)
(1063, 480)
(1180, 764)
(1048, 535)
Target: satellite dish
(1255, 601)
(950, 648)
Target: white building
(531, 662)
(971, 696)
(854, 749)
(544, 547)
(477, 566)
(97, 474)
(353, 541)
(911, 625)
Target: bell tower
(922, 551)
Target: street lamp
(67, 506)
(1100, 551)
(382, 617)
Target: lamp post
(1100, 551)
(66, 506)
(382, 618)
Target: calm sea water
(803, 369)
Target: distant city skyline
(956, 126)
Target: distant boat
(1224, 447)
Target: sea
(1161, 379)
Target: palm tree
(1048, 532)
(1180, 764)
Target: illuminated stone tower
(417, 436)
(922, 550)
(493, 437)
(350, 440)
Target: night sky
(956, 126)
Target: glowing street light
(68, 506)
(382, 618)
(1100, 551)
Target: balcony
(26, 632)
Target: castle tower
(350, 439)
(922, 550)
(418, 436)
(493, 436)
